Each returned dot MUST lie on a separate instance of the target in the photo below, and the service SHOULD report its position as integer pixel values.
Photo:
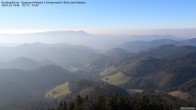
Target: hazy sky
(102, 16)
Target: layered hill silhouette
(137, 46)
(43, 74)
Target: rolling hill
(165, 70)
(18, 86)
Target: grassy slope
(59, 91)
(108, 71)
(117, 79)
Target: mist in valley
(98, 55)
(38, 70)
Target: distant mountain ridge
(137, 46)
(79, 38)
(61, 54)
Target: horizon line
(178, 32)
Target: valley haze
(94, 40)
(101, 55)
(43, 70)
